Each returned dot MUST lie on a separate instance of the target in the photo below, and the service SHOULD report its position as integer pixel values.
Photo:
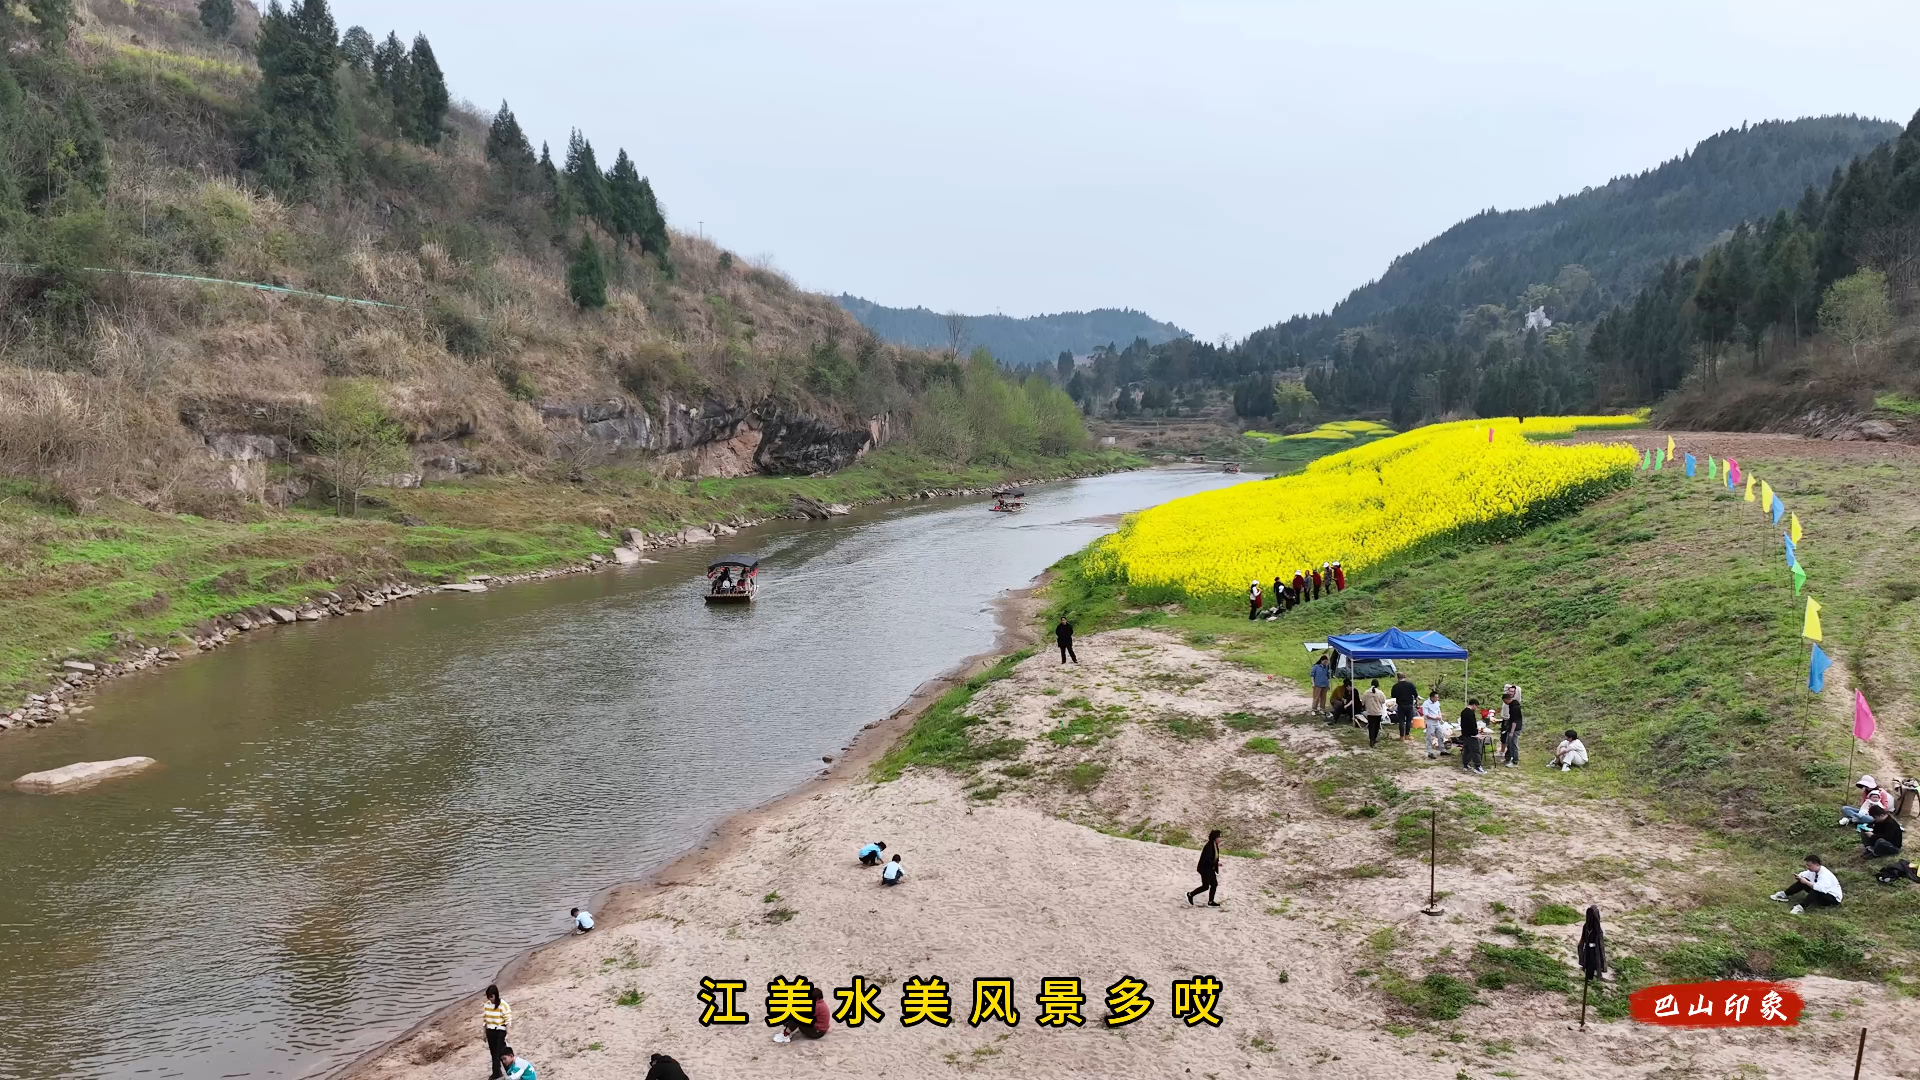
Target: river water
(356, 821)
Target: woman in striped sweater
(494, 1015)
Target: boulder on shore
(464, 586)
(626, 556)
(80, 774)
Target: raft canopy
(745, 562)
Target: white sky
(1221, 165)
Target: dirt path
(1746, 444)
(1060, 857)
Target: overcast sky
(1220, 165)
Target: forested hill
(1038, 339)
(1616, 235)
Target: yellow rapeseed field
(1362, 506)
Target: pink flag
(1489, 434)
(1862, 717)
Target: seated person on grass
(1570, 752)
(1816, 886)
(1884, 836)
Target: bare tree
(1894, 250)
(956, 332)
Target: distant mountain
(1617, 234)
(1037, 339)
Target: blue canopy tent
(1397, 644)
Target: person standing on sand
(1376, 706)
(1322, 679)
(1406, 697)
(1063, 636)
(494, 1015)
(1470, 736)
(1209, 870)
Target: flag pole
(1433, 864)
(1852, 745)
(1860, 1054)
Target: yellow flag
(1812, 629)
(1669, 446)
(1749, 487)
(1793, 527)
(1766, 496)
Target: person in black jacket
(1510, 721)
(662, 1067)
(1406, 703)
(1209, 869)
(1470, 736)
(1884, 837)
(1063, 635)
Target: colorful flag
(1659, 459)
(1817, 671)
(1779, 510)
(1669, 446)
(1799, 576)
(1812, 628)
(1489, 434)
(1646, 459)
(1730, 473)
(1863, 723)
(1690, 465)
(1713, 470)
(1766, 496)
(1791, 561)
(1793, 530)
(1749, 489)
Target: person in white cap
(1871, 795)
(1253, 600)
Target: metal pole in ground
(1860, 1054)
(1433, 864)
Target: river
(358, 820)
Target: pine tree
(216, 16)
(13, 120)
(626, 213)
(507, 148)
(587, 276)
(393, 75)
(357, 48)
(428, 92)
(586, 187)
(302, 130)
(549, 175)
(654, 239)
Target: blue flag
(1728, 473)
(1689, 464)
(1791, 561)
(1817, 671)
(1779, 509)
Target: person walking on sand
(1322, 679)
(1253, 600)
(1063, 636)
(1376, 706)
(494, 1015)
(1470, 736)
(1209, 870)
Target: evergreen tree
(357, 48)
(13, 124)
(587, 275)
(216, 16)
(509, 151)
(301, 134)
(1063, 365)
(393, 75)
(428, 93)
(654, 238)
(626, 213)
(548, 174)
(586, 187)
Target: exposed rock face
(80, 774)
(716, 438)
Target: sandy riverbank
(1024, 883)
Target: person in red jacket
(822, 1020)
(1339, 577)
(1316, 584)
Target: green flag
(1659, 459)
(1645, 459)
(1799, 578)
(1713, 469)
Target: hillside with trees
(1709, 281)
(235, 242)
(1034, 341)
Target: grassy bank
(84, 585)
(1660, 622)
